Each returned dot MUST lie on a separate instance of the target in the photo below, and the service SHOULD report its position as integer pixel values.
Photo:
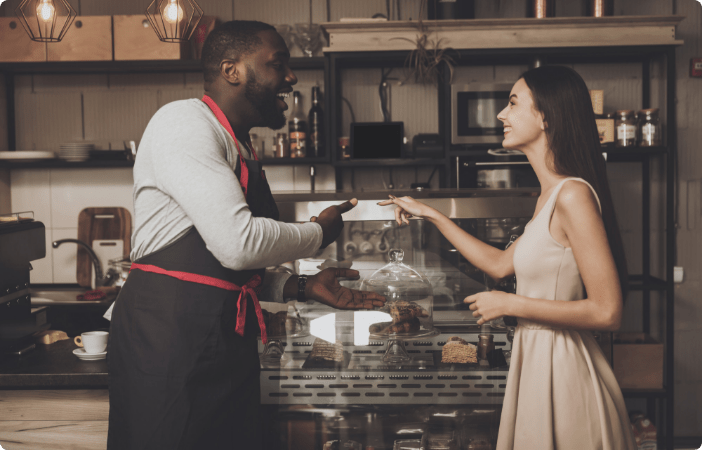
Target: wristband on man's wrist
(301, 283)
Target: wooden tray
(101, 224)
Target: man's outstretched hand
(331, 221)
(324, 287)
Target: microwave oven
(474, 110)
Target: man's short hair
(230, 40)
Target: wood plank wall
(111, 108)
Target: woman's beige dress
(561, 393)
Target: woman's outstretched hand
(408, 207)
(324, 287)
(489, 305)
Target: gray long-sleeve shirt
(184, 177)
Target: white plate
(80, 353)
(27, 154)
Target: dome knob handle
(396, 255)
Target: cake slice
(410, 326)
(402, 311)
(326, 351)
(458, 351)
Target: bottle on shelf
(316, 125)
(281, 148)
(297, 128)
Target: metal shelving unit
(10, 70)
(659, 401)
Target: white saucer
(79, 352)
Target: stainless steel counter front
(455, 204)
(367, 380)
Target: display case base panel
(366, 379)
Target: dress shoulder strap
(554, 196)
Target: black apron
(180, 377)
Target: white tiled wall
(57, 196)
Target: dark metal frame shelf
(10, 70)
(146, 66)
(102, 163)
(645, 393)
(389, 162)
(333, 63)
(637, 283)
(642, 55)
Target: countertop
(52, 366)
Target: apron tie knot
(250, 289)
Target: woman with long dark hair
(571, 274)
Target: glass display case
(386, 378)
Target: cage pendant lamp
(174, 20)
(46, 20)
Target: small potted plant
(424, 60)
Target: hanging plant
(424, 60)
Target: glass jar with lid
(408, 311)
(625, 128)
(649, 128)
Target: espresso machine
(22, 240)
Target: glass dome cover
(409, 298)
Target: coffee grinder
(22, 240)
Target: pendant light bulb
(46, 10)
(173, 20)
(173, 12)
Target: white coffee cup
(92, 341)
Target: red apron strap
(250, 289)
(222, 118)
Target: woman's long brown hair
(563, 98)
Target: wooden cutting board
(101, 224)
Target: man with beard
(183, 353)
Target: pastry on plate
(326, 351)
(410, 326)
(402, 311)
(458, 351)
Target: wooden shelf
(636, 283)
(93, 163)
(63, 164)
(504, 33)
(644, 393)
(608, 148)
(389, 162)
(294, 161)
(153, 66)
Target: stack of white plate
(75, 151)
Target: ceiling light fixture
(46, 20)
(174, 20)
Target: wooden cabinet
(16, 44)
(136, 40)
(89, 39)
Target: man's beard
(264, 101)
